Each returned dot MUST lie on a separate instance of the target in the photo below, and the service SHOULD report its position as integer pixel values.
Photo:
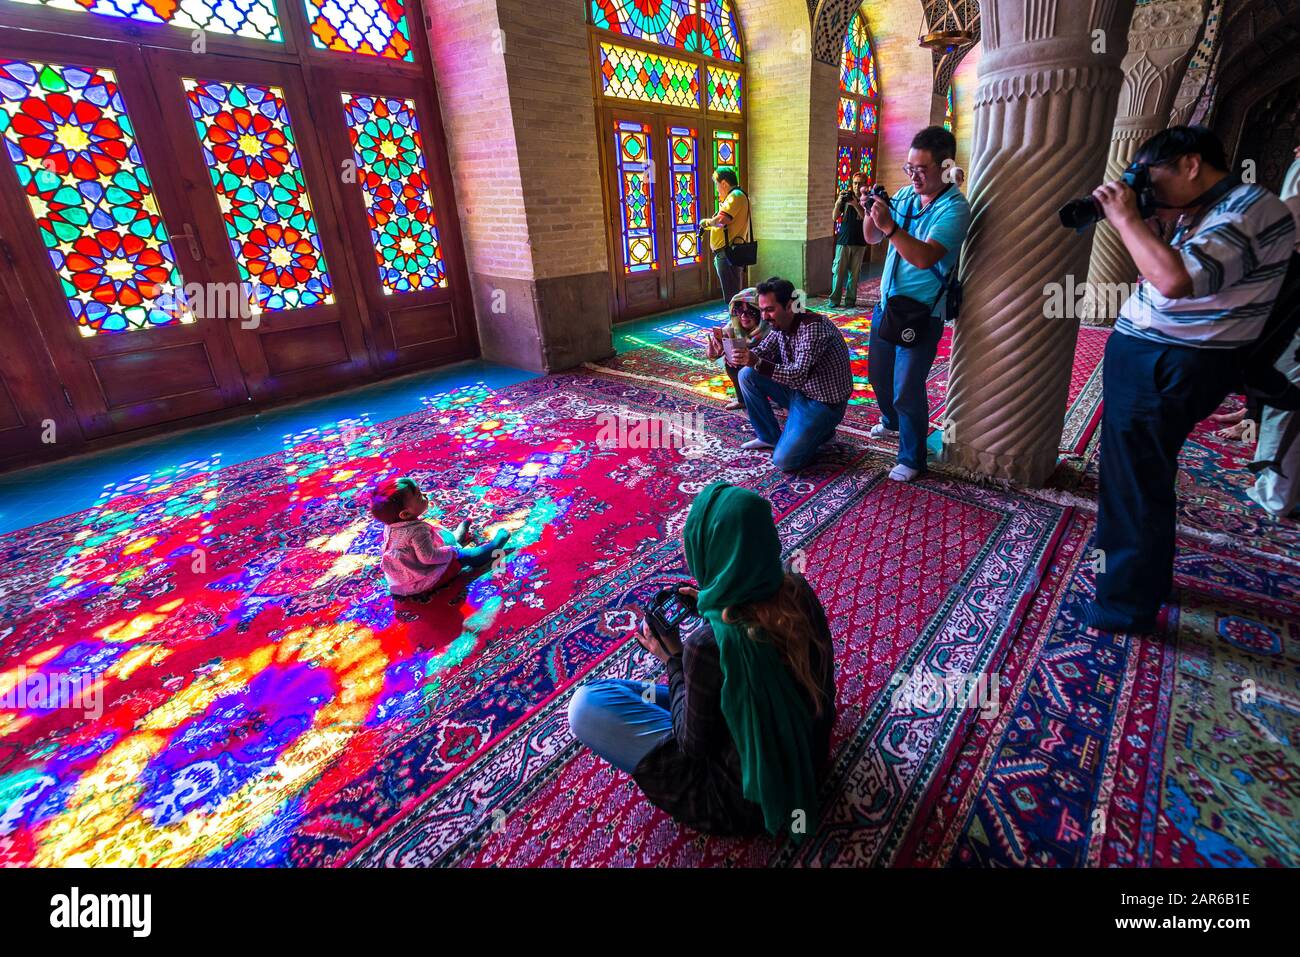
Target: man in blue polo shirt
(925, 224)
(1175, 352)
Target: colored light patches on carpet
(254, 19)
(249, 149)
(242, 664)
(67, 132)
(132, 528)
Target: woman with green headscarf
(736, 740)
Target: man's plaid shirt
(813, 359)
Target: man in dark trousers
(1174, 354)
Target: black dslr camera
(878, 192)
(672, 615)
(1082, 213)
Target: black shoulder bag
(906, 320)
(743, 255)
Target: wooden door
(102, 242)
(633, 166)
(278, 273)
(687, 261)
(385, 137)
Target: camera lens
(1079, 213)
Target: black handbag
(906, 320)
(744, 255)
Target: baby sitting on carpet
(420, 557)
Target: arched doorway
(669, 82)
(859, 110)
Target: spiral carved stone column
(1159, 45)
(1044, 107)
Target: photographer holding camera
(921, 263)
(1177, 349)
(731, 223)
(850, 245)
(737, 739)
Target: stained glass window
(658, 21)
(719, 31)
(724, 90)
(844, 169)
(241, 18)
(866, 164)
(857, 71)
(389, 153)
(636, 75)
(726, 152)
(371, 27)
(684, 165)
(948, 116)
(708, 27)
(68, 134)
(248, 145)
(868, 119)
(848, 114)
(636, 195)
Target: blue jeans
(810, 424)
(614, 720)
(897, 376)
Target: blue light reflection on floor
(36, 495)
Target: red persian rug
(235, 687)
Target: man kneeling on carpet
(746, 326)
(802, 366)
(419, 557)
(736, 741)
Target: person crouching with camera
(924, 225)
(747, 326)
(736, 741)
(1176, 350)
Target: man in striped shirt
(802, 366)
(1175, 353)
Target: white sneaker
(878, 431)
(903, 473)
(756, 444)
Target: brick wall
(906, 74)
(550, 74)
(964, 82)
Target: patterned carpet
(263, 702)
(677, 361)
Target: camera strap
(1207, 200)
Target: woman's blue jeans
(615, 720)
(898, 377)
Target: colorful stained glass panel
(719, 31)
(866, 164)
(389, 153)
(684, 165)
(628, 74)
(370, 27)
(848, 114)
(857, 71)
(844, 169)
(724, 90)
(67, 132)
(869, 119)
(657, 21)
(242, 18)
(636, 195)
(948, 115)
(726, 152)
(248, 145)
